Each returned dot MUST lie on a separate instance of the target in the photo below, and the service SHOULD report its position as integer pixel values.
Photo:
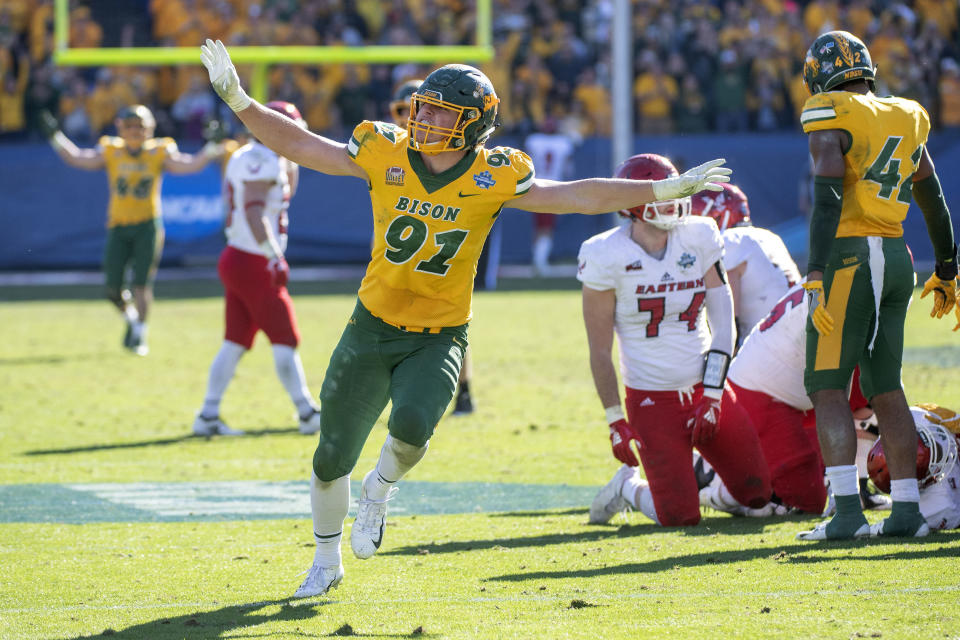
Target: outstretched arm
(603, 195)
(274, 130)
(91, 159)
(180, 163)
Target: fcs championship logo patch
(395, 176)
(686, 260)
(484, 180)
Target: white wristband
(614, 413)
(56, 141)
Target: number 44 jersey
(134, 178)
(886, 138)
(428, 229)
(659, 319)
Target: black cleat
(464, 403)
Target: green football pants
(373, 363)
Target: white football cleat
(310, 424)
(819, 533)
(876, 530)
(367, 531)
(213, 427)
(608, 500)
(319, 581)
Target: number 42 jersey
(886, 138)
(659, 320)
(428, 229)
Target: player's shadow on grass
(799, 554)
(159, 442)
(49, 359)
(586, 535)
(707, 527)
(234, 621)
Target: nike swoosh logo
(376, 543)
(835, 193)
(468, 195)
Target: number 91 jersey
(660, 326)
(428, 229)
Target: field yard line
(579, 594)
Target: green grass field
(490, 539)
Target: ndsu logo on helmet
(395, 176)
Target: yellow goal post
(262, 57)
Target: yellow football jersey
(886, 141)
(428, 229)
(134, 179)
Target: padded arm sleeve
(929, 197)
(719, 303)
(827, 204)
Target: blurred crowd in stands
(699, 66)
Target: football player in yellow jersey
(400, 113)
(870, 158)
(436, 191)
(135, 162)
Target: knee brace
(328, 461)
(116, 297)
(411, 425)
(406, 454)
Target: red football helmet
(650, 166)
(936, 455)
(729, 208)
(288, 109)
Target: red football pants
(253, 303)
(796, 468)
(660, 418)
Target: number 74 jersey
(659, 320)
(886, 141)
(428, 229)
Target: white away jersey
(661, 328)
(551, 153)
(254, 162)
(772, 357)
(940, 502)
(770, 270)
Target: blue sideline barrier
(54, 215)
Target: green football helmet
(401, 101)
(834, 58)
(138, 112)
(464, 90)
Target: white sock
(541, 251)
(843, 480)
(221, 372)
(290, 371)
(629, 489)
(863, 450)
(644, 502)
(906, 490)
(396, 459)
(130, 313)
(139, 329)
(329, 503)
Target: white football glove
(706, 176)
(223, 75)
